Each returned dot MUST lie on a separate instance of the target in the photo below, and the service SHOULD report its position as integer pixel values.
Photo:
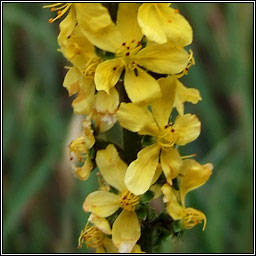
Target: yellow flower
(84, 87)
(162, 24)
(80, 148)
(104, 109)
(76, 47)
(193, 175)
(101, 107)
(139, 119)
(124, 40)
(95, 235)
(104, 203)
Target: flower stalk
(126, 62)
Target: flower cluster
(126, 60)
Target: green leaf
(146, 197)
(141, 211)
(148, 140)
(177, 226)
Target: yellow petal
(160, 23)
(72, 80)
(94, 15)
(73, 44)
(100, 250)
(101, 223)
(88, 132)
(140, 172)
(151, 24)
(104, 121)
(193, 217)
(104, 112)
(187, 128)
(184, 94)
(109, 246)
(194, 176)
(171, 163)
(107, 74)
(140, 86)
(127, 22)
(156, 189)
(96, 24)
(137, 249)
(137, 119)
(161, 108)
(66, 28)
(157, 174)
(101, 203)
(83, 103)
(108, 38)
(163, 58)
(173, 207)
(126, 231)
(107, 102)
(83, 172)
(112, 168)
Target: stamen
(167, 137)
(191, 62)
(128, 201)
(91, 236)
(131, 46)
(90, 68)
(60, 8)
(192, 218)
(188, 156)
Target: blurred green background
(42, 206)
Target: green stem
(132, 141)
(132, 145)
(146, 239)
